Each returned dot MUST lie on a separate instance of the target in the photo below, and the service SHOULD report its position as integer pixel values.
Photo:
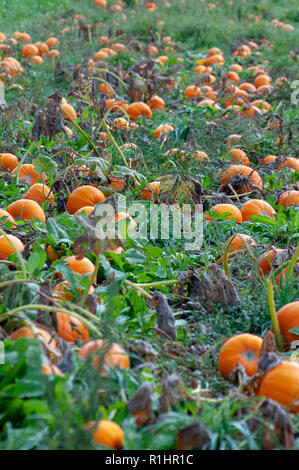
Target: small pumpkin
(115, 356)
(107, 433)
(26, 209)
(40, 193)
(265, 261)
(8, 161)
(192, 91)
(63, 291)
(156, 102)
(152, 191)
(257, 207)
(7, 216)
(289, 198)
(51, 369)
(238, 242)
(26, 332)
(288, 318)
(5, 247)
(86, 195)
(238, 156)
(281, 384)
(28, 173)
(242, 171)
(70, 328)
(162, 129)
(233, 213)
(139, 109)
(81, 266)
(243, 349)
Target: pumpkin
(291, 163)
(261, 80)
(28, 173)
(36, 60)
(68, 108)
(265, 261)
(26, 209)
(247, 87)
(162, 129)
(5, 247)
(238, 156)
(107, 433)
(288, 318)
(29, 50)
(8, 161)
(232, 211)
(51, 369)
(243, 349)
(117, 183)
(139, 109)
(242, 171)
(86, 209)
(53, 254)
(282, 385)
(81, 266)
(70, 328)
(86, 195)
(156, 102)
(192, 91)
(233, 76)
(217, 58)
(269, 159)
(39, 192)
(152, 191)
(7, 216)
(52, 42)
(114, 356)
(288, 198)
(105, 89)
(43, 48)
(238, 243)
(63, 291)
(26, 332)
(257, 207)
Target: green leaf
(135, 257)
(295, 330)
(45, 164)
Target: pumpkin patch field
(149, 221)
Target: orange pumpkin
(105, 89)
(51, 369)
(288, 318)
(70, 328)
(152, 191)
(68, 108)
(243, 349)
(28, 173)
(265, 261)
(107, 433)
(7, 216)
(84, 196)
(232, 211)
(139, 109)
(156, 102)
(62, 290)
(5, 247)
(288, 198)
(261, 80)
(29, 50)
(26, 332)
(115, 356)
(52, 42)
(39, 192)
(26, 209)
(238, 242)
(242, 171)
(192, 91)
(8, 161)
(281, 384)
(116, 183)
(81, 266)
(238, 156)
(257, 207)
(86, 209)
(162, 129)
(291, 163)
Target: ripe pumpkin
(162, 129)
(288, 318)
(233, 76)
(86, 195)
(238, 243)
(232, 211)
(282, 385)
(70, 328)
(103, 88)
(117, 183)
(243, 172)
(152, 191)
(139, 109)
(7, 216)
(262, 79)
(238, 156)
(107, 433)
(26, 332)
(288, 198)
(51, 369)
(36, 60)
(192, 91)
(265, 261)
(86, 209)
(28, 173)
(39, 192)
(29, 50)
(5, 247)
(53, 254)
(257, 207)
(115, 356)
(52, 42)
(81, 266)
(291, 163)
(68, 108)
(247, 87)
(8, 161)
(156, 102)
(26, 209)
(62, 290)
(243, 349)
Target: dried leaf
(49, 122)
(192, 437)
(172, 389)
(140, 406)
(166, 320)
(217, 288)
(280, 430)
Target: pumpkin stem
(19, 256)
(113, 142)
(275, 324)
(139, 289)
(82, 132)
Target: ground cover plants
(141, 343)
